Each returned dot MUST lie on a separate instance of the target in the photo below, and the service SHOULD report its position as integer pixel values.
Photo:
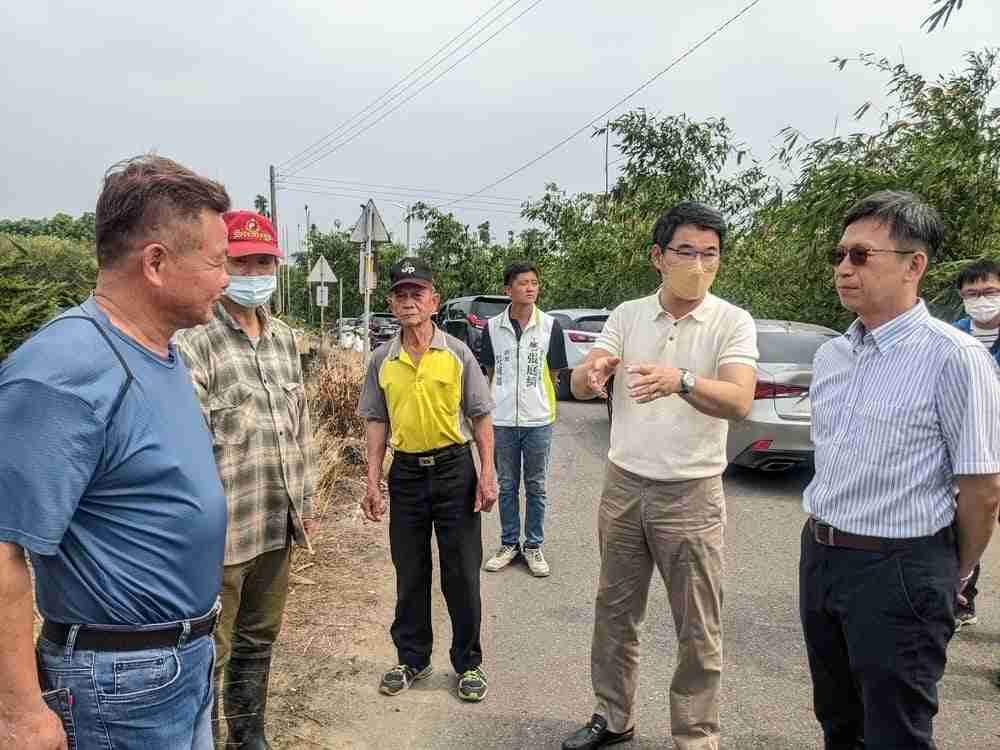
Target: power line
(340, 184)
(400, 196)
(337, 146)
(387, 92)
(590, 123)
(359, 194)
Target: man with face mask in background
(248, 376)
(979, 286)
(684, 361)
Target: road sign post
(322, 274)
(368, 231)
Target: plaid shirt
(255, 404)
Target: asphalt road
(537, 632)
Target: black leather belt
(828, 536)
(90, 639)
(432, 458)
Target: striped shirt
(254, 401)
(897, 414)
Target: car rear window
(590, 325)
(488, 308)
(792, 348)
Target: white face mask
(251, 291)
(982, 309)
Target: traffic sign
(322, 296)
(321, 273)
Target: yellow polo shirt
(427, 404)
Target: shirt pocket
(885, 432)
(231, 415)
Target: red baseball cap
(250, 233)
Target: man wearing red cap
(247, 373)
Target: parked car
(382, 327)
(581, 327)
(465, 317)
(775, 435)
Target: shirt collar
(892, 332)
(509, 322)
(700, 313)
(262, 313)
(438, 341)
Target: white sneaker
(536, 561)
(503, 557)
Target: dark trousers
(441, 497)
(877, 625)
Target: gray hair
(911, 219)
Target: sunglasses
(859, 255)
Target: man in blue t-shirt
(979, 286)
(107, 479)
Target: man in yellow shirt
(422, 388)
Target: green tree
(38, 277)
(938, 138)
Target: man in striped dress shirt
(905, 407)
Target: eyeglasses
(977, 293)
(859, 255)
(689, 253)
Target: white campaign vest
(522, 383)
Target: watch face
(688, 380)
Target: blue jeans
(528, 447)
(131, 700)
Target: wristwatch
(687, 381)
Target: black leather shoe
(594, 735)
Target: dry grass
(339, 433)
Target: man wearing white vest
(523, 351)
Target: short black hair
(979, 270)
(911, 219)
(518, 267)
(688, 212)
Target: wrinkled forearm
(375, 434)
(978, 500)
(717, 398)
(482, 430)
(18, 671)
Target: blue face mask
(251, 291)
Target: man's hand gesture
(373, 503)
(39, 729)
(486, 492)
(601, 370)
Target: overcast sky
(227, 89)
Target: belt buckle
(818, 527)
(425, 460)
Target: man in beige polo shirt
(684, 363)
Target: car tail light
(766, 389)
(475, 321)
(761, 445)
(582, 338)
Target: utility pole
(368, 270)
(607, 132)
(274, 216)
(309, 259)
(408, 217)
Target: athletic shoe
(503, 557)
(400, 677)
(536, 561)
(965, 616)
(472, 685)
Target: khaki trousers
(253, 604)
(678, 527)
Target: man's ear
(153, 257)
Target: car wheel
(563, 390)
